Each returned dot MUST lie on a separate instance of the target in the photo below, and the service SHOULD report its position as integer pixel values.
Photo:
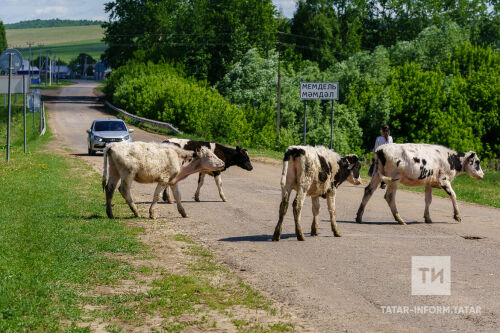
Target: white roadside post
(321, 91)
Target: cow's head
(242, 159)
(353, 166)
(208, 160)
(472, 165)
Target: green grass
(54, 238)
(483, 192)
(54, 86)
(67, 51)
(57, 246)
(186, 299)
(18, 38)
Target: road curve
(336, 284)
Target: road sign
(17, 60)
(16, 85)
(319, 90)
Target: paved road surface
(336, 284)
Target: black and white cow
(230, 156)
(314, 171)
(414, 164)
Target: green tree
(432, 46)
(3, 38)
(206, 35)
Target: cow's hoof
(314, 233)
(276, 238)
(457, 218)
(224, 199)
(428, 220)
(359, 219)
(197, 199)
(152, 216)
(300, 238)
(337, 234)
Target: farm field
(65, 42)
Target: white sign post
(322, 91)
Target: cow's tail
(283, 174)
(378, 166)
(105, 168)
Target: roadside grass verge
(65, 266)
(53, 238)
(54, 86)
(199, 294)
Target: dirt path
(335, 284)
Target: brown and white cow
(152, 163)
(230, 156)
(413, 164)
(314, 171)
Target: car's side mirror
(89, 131)
(131, 130)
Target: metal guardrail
(144, 120)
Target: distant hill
(52, 23)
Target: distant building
(62, 71)
(25, 69)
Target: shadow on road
(381, 222)
(71, 99)
(256, 238)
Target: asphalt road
(335, 284)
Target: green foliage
(431, 47)
(205, 35)
(363, 79)
(3, 38)
(253, 82)
(158, 91)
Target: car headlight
(126, 137)
(98, 138)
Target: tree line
(51, 23)
(429, 68)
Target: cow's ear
(471, 155)
(238, 148)
(343, 163)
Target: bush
(158, 91)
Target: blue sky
(12, 11)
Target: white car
(104, 131)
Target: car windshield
(102, 126)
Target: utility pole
(40, 67)
(46, 68)
(29, 71)
(10, 102)
(278, 110)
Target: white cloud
(56, 10)
(287, 7)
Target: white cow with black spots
(413, 164)
(314, 171)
